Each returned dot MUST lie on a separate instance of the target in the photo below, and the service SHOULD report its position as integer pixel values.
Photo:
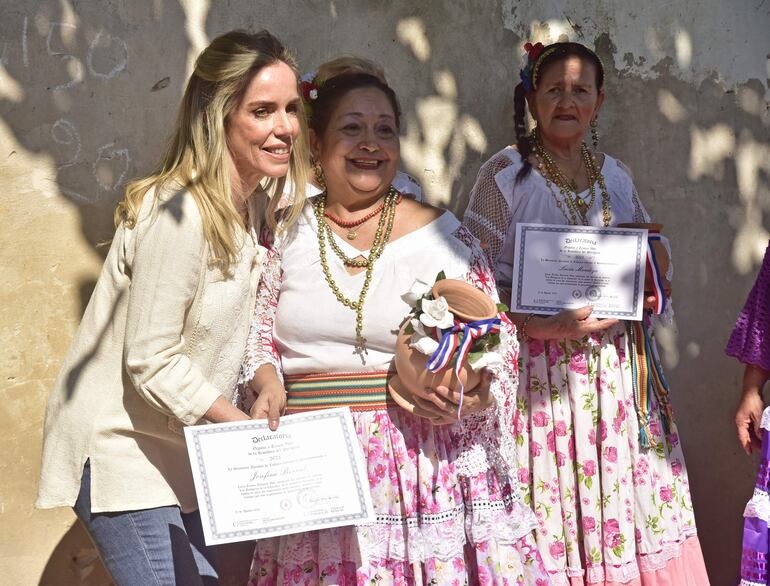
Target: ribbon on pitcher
(654, 276)
(647, 378)
(458, 340)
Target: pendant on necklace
(352, 234)
(581, 203)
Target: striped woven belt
(361, 391)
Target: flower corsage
(451, 334)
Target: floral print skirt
(432, 527)
(608, 510)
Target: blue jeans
(150, 547)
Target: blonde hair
(348, 64)
(197, 154)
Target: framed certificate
(560, 267)
(253, 483)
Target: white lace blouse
(498, 203)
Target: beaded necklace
(576, 207)
(381, 238)
(351, 225)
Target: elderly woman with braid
(329, 304)
(613, 505)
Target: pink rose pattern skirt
(608, 511)
(433, 526)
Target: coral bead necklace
(351, 225)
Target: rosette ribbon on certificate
(657, 264)
(647, 372)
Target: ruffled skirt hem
(681, 565)
(488, 562)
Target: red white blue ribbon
(458, 340)
(654, 275)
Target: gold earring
(318, 173)
(595, 133)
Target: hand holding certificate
(559, 267)
(253, 483)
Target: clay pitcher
(467, 304)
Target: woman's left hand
(270, 405)
(749, 414)
(747, 418)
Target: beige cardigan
(162, 337)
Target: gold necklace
(596, 173)
(381, 238)
(391, 200)
(576, 207)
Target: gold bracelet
(523, 335)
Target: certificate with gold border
(253, 483)
(559, 267)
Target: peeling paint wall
(88, 91)
(694, 40)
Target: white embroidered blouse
(300, 327)
(498, 203)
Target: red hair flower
(309, 90)
(533, 50)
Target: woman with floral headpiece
(334, 291)
(604, 473)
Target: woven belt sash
(361, 391)
(648, 379)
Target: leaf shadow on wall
(88, 97)
(700, 155)
(95, 97)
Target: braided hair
(548, 56)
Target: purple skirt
(754, 560)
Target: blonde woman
(161, 341)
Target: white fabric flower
(486, 360)
(421, 340)
(494, 357)
(418, 328)
(313, 94)
(424, 344)
(436, 314)
(416, 291)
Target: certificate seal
(577, 294)
(306, 499)
(285, 504)
(593, 293)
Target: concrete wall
(88, 89)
